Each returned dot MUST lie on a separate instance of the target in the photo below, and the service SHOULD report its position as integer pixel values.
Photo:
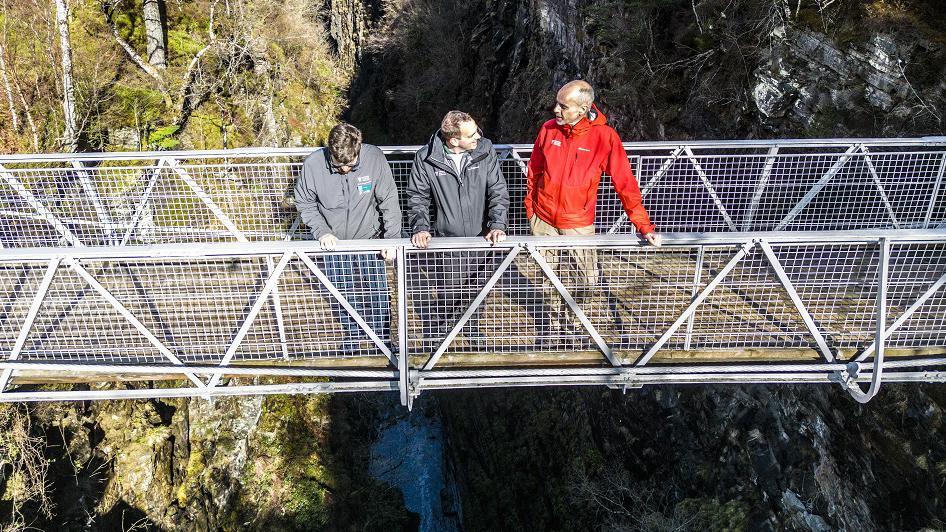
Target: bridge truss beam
(772, 307)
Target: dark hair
(450, 127)
(344, 143)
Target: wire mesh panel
(750, 308)
(18, 287)
(553, 303)
(115, 199)
(317, 324)
(442, 286)
(197, 311)
(918, 271)
(838, 285)
(76, 323)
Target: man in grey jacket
(457, 172)
(346, 191)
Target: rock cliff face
(350, 24)
(258, 463)
(806, 79)
(662, 68)
(713, 458)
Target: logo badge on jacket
(364, 184)
(439, 173)
(557, 143)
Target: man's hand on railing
(654, 239)
(328, 242)
(495, 236)
(421, 239)
(388, 254)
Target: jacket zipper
(347, 203)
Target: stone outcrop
(254, 463)
(660, 73)
(805, 76)
(689, 458)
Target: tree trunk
(14, 119)
(70, 140)
(154, 33)
(29, 116)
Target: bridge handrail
(405, 149)
(244, 249)
(245, 194)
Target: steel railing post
(403, 360)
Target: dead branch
(133, 55)
(188, 104)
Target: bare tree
(70, 139)
(154, 33)
(23, 465)
(8, 90)
(29, 114)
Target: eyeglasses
(478, 134)
(339, 166)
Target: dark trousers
(363, 280)
(445, 285)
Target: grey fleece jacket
(469, 203)
(349, 206)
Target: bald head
(580, 91)
(573, 102)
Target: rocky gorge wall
(663, 69)
(256, 463)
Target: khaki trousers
(577, 268)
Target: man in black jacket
(457, 172)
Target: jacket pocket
(576, 198)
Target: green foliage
(136, 104)
(163, 137)
(266, 75)
(288, 477)
(184, 41)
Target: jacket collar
(436, 152)
(595, 118)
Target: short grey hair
(585, 95)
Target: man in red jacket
(570, 154)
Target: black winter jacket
(468, 203)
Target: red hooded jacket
(565, 169)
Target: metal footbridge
(168, 274)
